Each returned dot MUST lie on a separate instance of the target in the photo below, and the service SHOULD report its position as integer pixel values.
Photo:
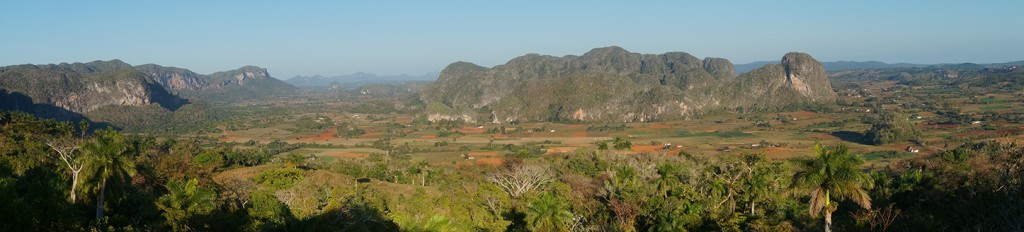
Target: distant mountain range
(355, 80)
(853, 65)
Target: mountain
(612, 84)
(244, 83)
(355, 80)
(68, 90)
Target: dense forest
(60, 176)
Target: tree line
(57, 176)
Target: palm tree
(185, 199)
(621, 144)
(834, 174)
(548, 213)
(107, 159)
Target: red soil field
(325, 136)
(489, 161)
(428, 137)
(482, 154)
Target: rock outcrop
(612, 84)
(175, 79)
(83, 87)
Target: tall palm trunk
(99, 203)
(828, 221)
(828, 212)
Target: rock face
(80, 87)
(243, 83)
(176, 79)
(612, 84)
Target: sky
(292, 38)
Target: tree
(891, 127)
(107, 159)
(763, 178)
(184, 201)
(602, 146)
(521, 178)
(67, 150)
(621, 144)
(548, 213)
(834, 174)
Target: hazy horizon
(386, 38)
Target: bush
(279, 178)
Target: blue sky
(394, 37)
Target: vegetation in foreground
(130, 182)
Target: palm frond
(818, 198)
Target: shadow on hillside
(167, 100)
(851, 136)
(14, 101)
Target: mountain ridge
(613, 84)
(80, 88)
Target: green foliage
(436, 223)
(607, 127)
(958, 155)
(186, 203)
(621, 144)
(279, 178)
(209, 159)
(266, 211)
(835, 173)
(548, 213)
(108, 159)
(891, 127)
